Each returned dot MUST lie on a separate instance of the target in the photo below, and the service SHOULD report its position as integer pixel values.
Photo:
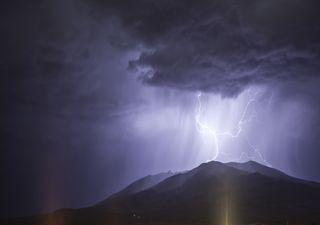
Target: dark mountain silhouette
(212, 193)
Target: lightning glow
(217, 136)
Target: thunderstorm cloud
(222, 46)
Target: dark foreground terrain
(213, 193)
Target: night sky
(95, 94)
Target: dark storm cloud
(223, 46)
(56, 57)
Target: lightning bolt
(203, 128)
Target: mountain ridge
(256, 194)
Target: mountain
(212, 193)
